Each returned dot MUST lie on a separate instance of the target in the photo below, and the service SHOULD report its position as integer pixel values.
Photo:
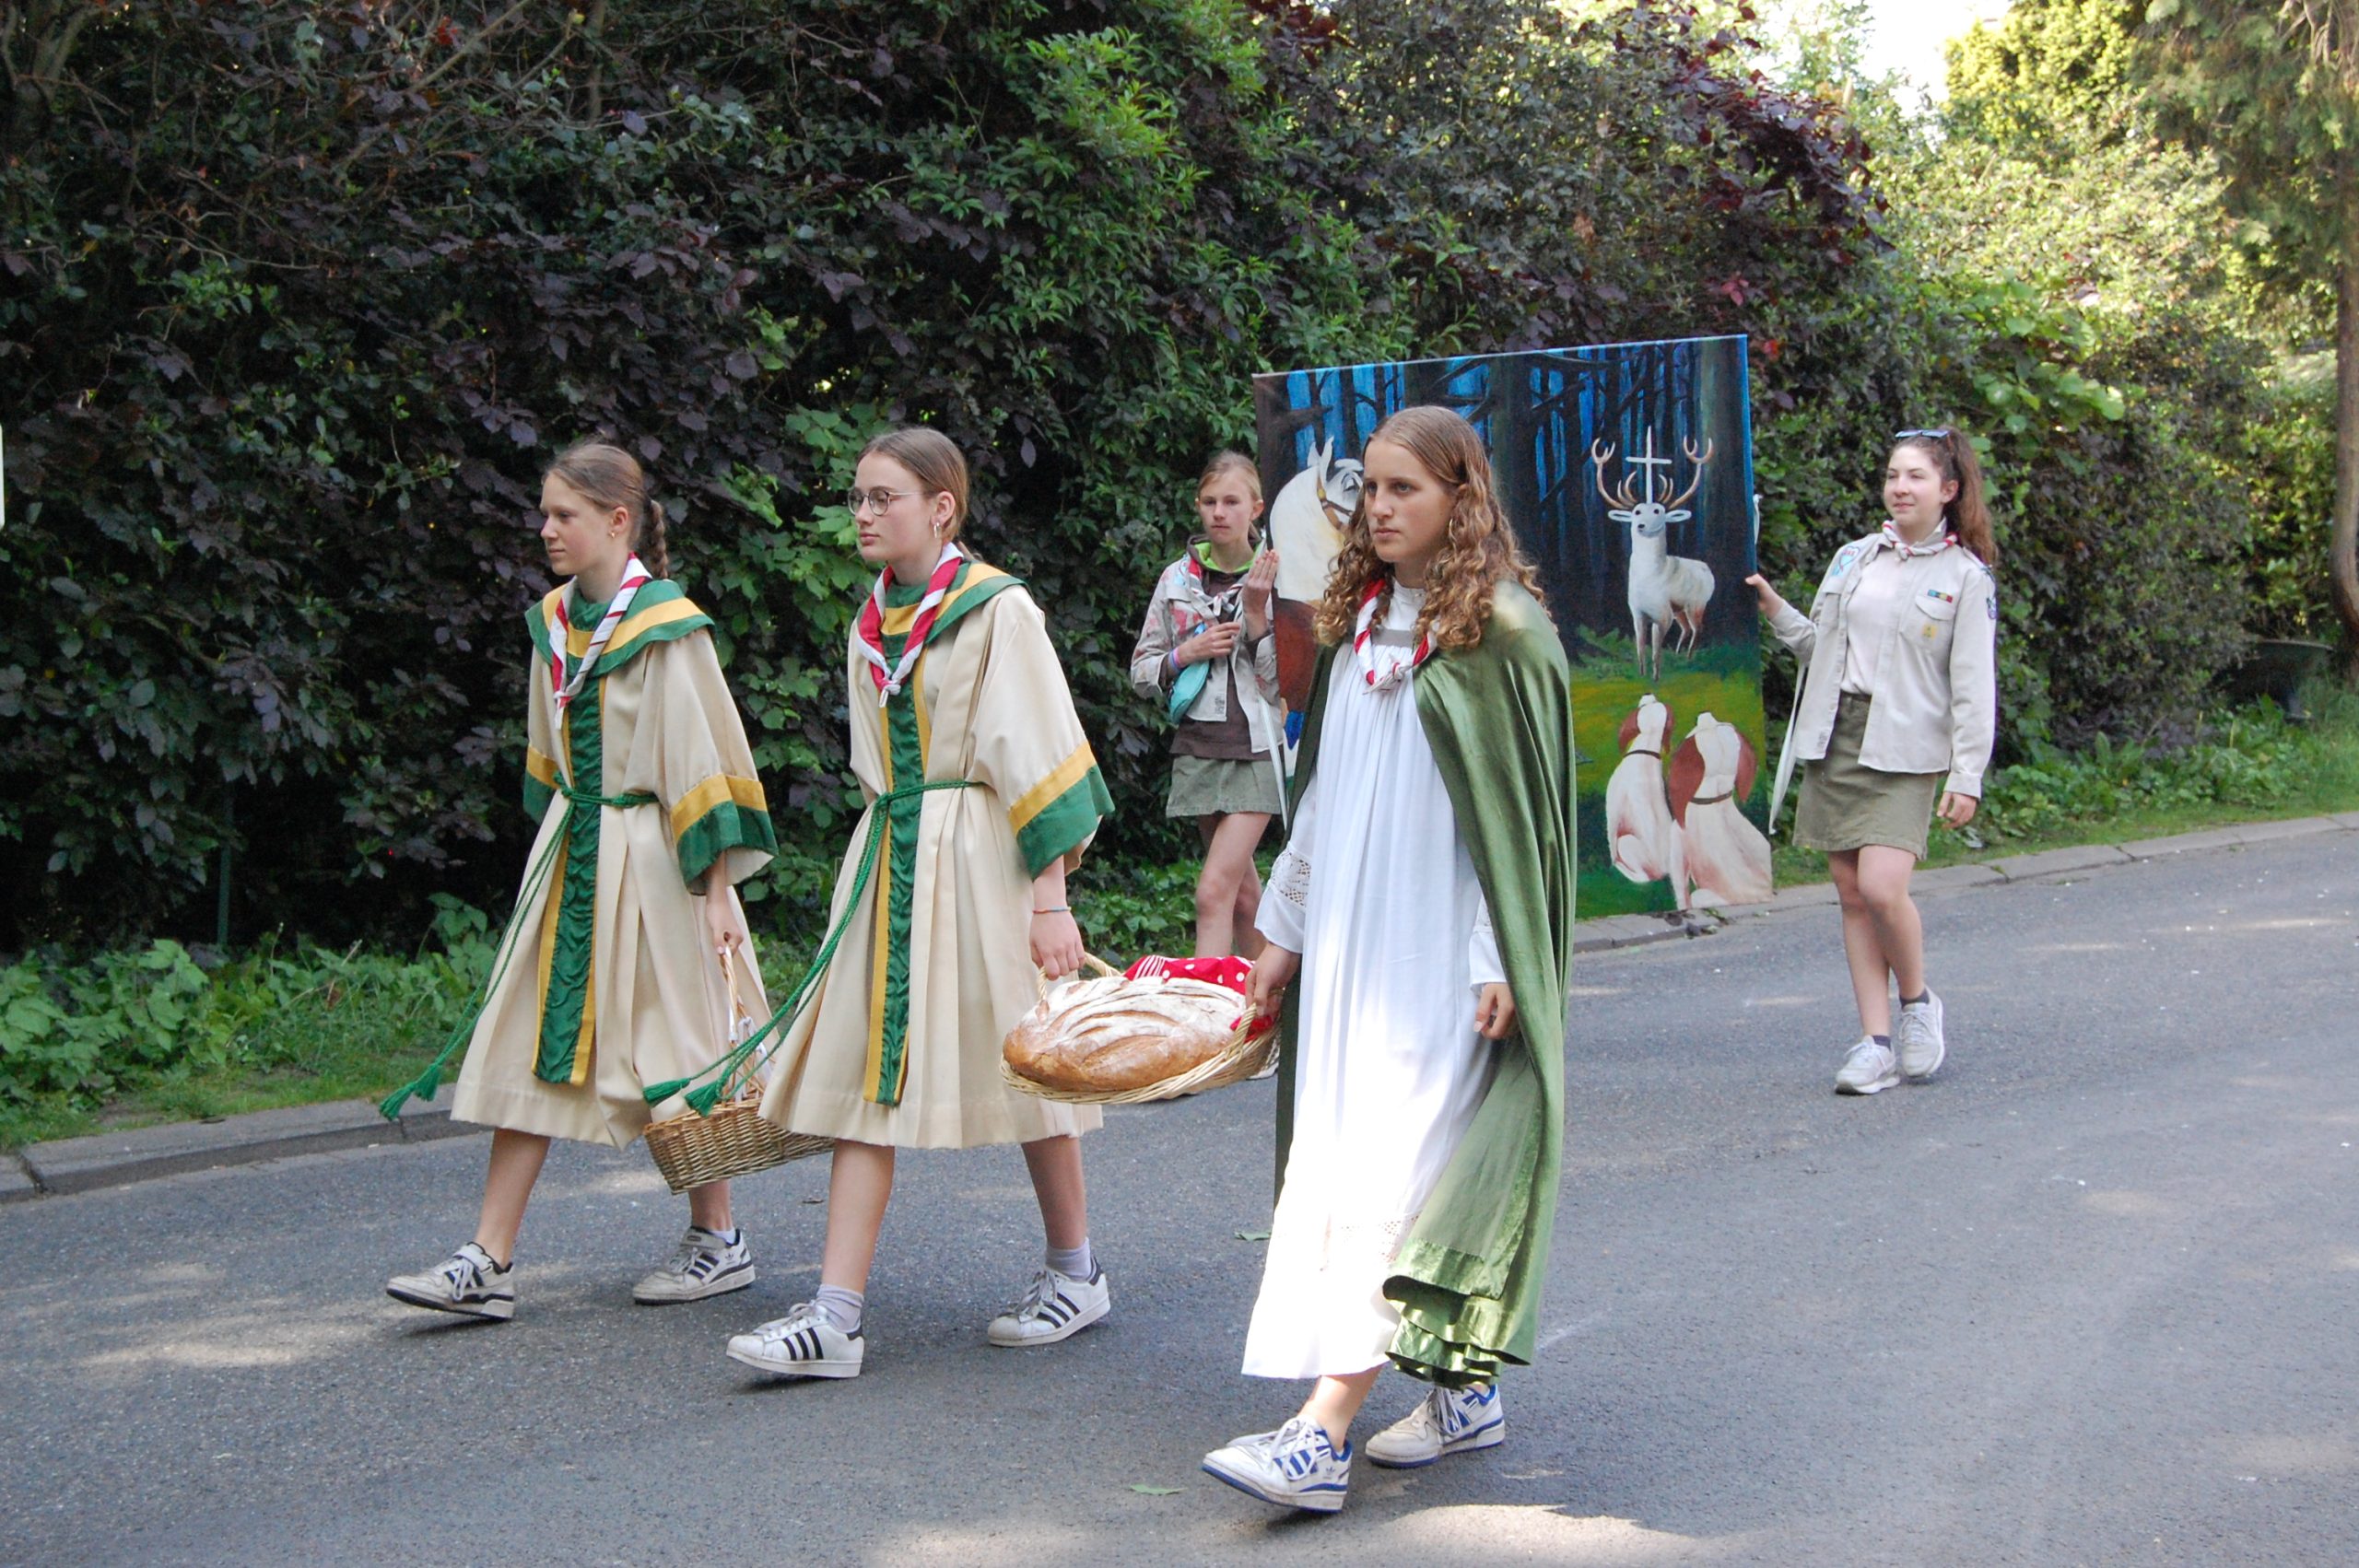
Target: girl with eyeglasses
(1900, 688)
(982, 795)
(1207, 652)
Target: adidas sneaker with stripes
(1054, 1306)
(804, 1343)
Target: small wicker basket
(735, 1139)
(1245, 1055)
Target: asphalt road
(2089, 1297)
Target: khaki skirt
(1848, 806)
(1212, 786)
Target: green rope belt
(725, 1072)
(536, 877)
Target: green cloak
(1499, 718)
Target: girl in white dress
(1410, 1011)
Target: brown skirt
(1846, 806)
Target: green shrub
(86, 1032)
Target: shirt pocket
(1932, 623)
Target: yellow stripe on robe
(721, 787)
(638, 623)
(899, 619)
(1039, 798)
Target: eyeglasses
(879, 499)
(1941, 435)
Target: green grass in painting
(1723, 680)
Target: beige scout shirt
(1935, 675)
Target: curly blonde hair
(1478, 550)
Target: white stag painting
(1666, 591)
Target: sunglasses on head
(1929, 434)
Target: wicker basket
(1244, 1056)
(735, 1139)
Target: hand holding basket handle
(1273, 972)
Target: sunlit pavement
(2090, 1296)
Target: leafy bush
(294, 301)
(2252, 758)
(86, 1032)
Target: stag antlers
(1599, 454)
(1696, 473)
(1627, 498)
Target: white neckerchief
(1934, 546)
(1397, 666)
(562, 691)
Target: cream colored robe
(987, 702)
(651, 1005)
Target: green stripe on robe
(901, 844)
(1066, 824)
(727, 826)
(577, 894)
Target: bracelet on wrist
(1055, 910)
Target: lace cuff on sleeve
(1284, 903)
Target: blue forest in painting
(1627, 472)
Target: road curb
(116, 1159)
(1636, 931)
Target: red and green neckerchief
(1360, 644)
(889, 676)
(563, 691)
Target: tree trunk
(2342, 545)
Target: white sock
(840, 1307)
(1073, 1262)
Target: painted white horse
(1306, 522)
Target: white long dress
(1377, 893)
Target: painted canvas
(1628, 471)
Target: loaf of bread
(1109, 1035)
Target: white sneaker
(1447, 1421)
(702, 1265)
(467, 1282)
(1869, 1068)
(1293, 1467)
(804, 1343)
(1918, 1036)
(1054, 1307)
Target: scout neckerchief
(563, 691)
(1360, 644)
(890, 676)
(1924, 547)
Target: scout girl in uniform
(1425, 903)
(1901, 687)
(1206, 651)
(984, 793)
(611, 975)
